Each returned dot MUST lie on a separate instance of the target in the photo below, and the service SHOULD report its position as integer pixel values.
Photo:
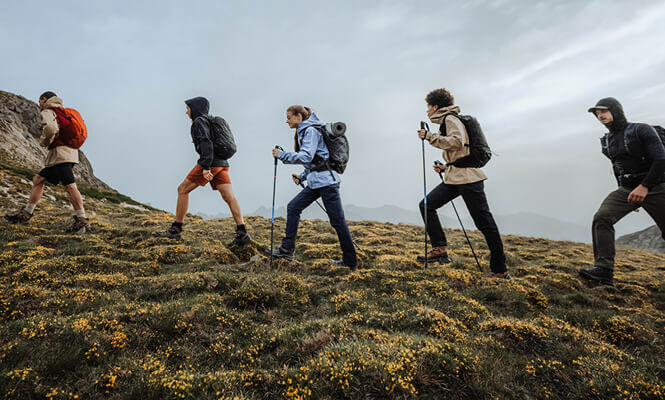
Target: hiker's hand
(422, 133)
(275, 152)
(296, 178)
(207, 174)
(438, 168)
(638, 195)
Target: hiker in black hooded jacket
(208, 169)
(638, 160)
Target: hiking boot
(21, 217)
(80, 225)
(340, 263)
(172, 233)
(500, 275)
(437, 254)
(280, 253)
(598, 274)
(242, 238)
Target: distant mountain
(523, 224)
(649, 239)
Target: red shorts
(220, 176)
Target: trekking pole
(272, 218)
(437, 162)
(423, 125)
(326, 211)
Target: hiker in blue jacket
(311, 151)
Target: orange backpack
(73, 131)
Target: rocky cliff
(20, 129)
(649, 239)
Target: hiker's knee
(421, 205)
(183, 189)
(38, 180)
(227, 193)
(292, 208)
(602, 216)
(71, 189)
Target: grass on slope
(118, 314)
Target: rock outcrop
(20, 129)
(649, 239)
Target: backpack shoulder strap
(460, 118)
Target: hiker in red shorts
(212, 168)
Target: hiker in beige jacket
(58, 168)
(453, 139)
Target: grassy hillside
(118, 314)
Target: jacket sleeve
(655, 153)
(203, 139)
(50, 127)
(310, 142)
(454, 138)
(303, 176)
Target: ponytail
(305, 113)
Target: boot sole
(604, 281)
(285, 257)
(440, 260)
(79, 232)
(13, 220)
(179, 237)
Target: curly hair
(440, 97)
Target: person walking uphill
(214, 143)
(459, 180)
(63, 132)
(638, 160)
(311, 151)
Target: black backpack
(631, 143)
(222, 138)
(479, 151)
(337, 144)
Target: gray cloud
(527, 69)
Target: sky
(528, 70)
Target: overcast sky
(528, 70)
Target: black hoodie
(201, 134)
(629, 170)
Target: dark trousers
(473, 195)
(333, 204)
(616, 206)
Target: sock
(30, 208)
(80, 213)
(178, 225)
(241, 228)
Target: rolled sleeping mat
(338, 128)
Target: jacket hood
(199, 106)
(313, 120)
(619, 122)
(53, 102)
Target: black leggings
(473, 195)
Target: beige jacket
(50, 130)
(453, 146)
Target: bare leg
(183, 199)
(37, 189)
(227, 194)
(74, 196)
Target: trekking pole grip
(437, 162)
(278, 147)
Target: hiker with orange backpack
(63, 133)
